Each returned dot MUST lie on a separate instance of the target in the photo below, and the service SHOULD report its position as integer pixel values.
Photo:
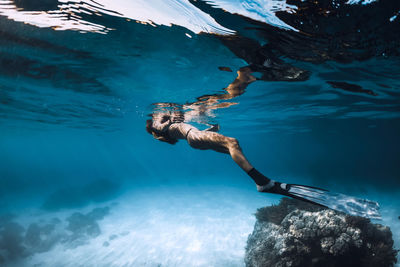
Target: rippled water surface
(82, 182)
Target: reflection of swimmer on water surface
(262, 60)
(206, 104)
(319, 31)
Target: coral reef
(296, 233)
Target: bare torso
(180, 130)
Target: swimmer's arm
(161, 124)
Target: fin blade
(336, 201)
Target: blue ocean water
(83, 184)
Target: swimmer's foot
(264, 184)
(260, 180)
(266, 187)
(274, 187)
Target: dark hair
(159, 136)
(149, 123)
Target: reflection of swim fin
(336, 201)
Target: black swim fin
(336, 201)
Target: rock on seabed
(295, 233)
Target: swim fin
(336, 201)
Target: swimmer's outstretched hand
(213, 128)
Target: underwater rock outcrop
(296, 233)
(83, 227)
(18, 242)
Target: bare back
(180, 130)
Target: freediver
(169, 126)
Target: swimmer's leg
(262, 182)
(228, 145)
(318, 196)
